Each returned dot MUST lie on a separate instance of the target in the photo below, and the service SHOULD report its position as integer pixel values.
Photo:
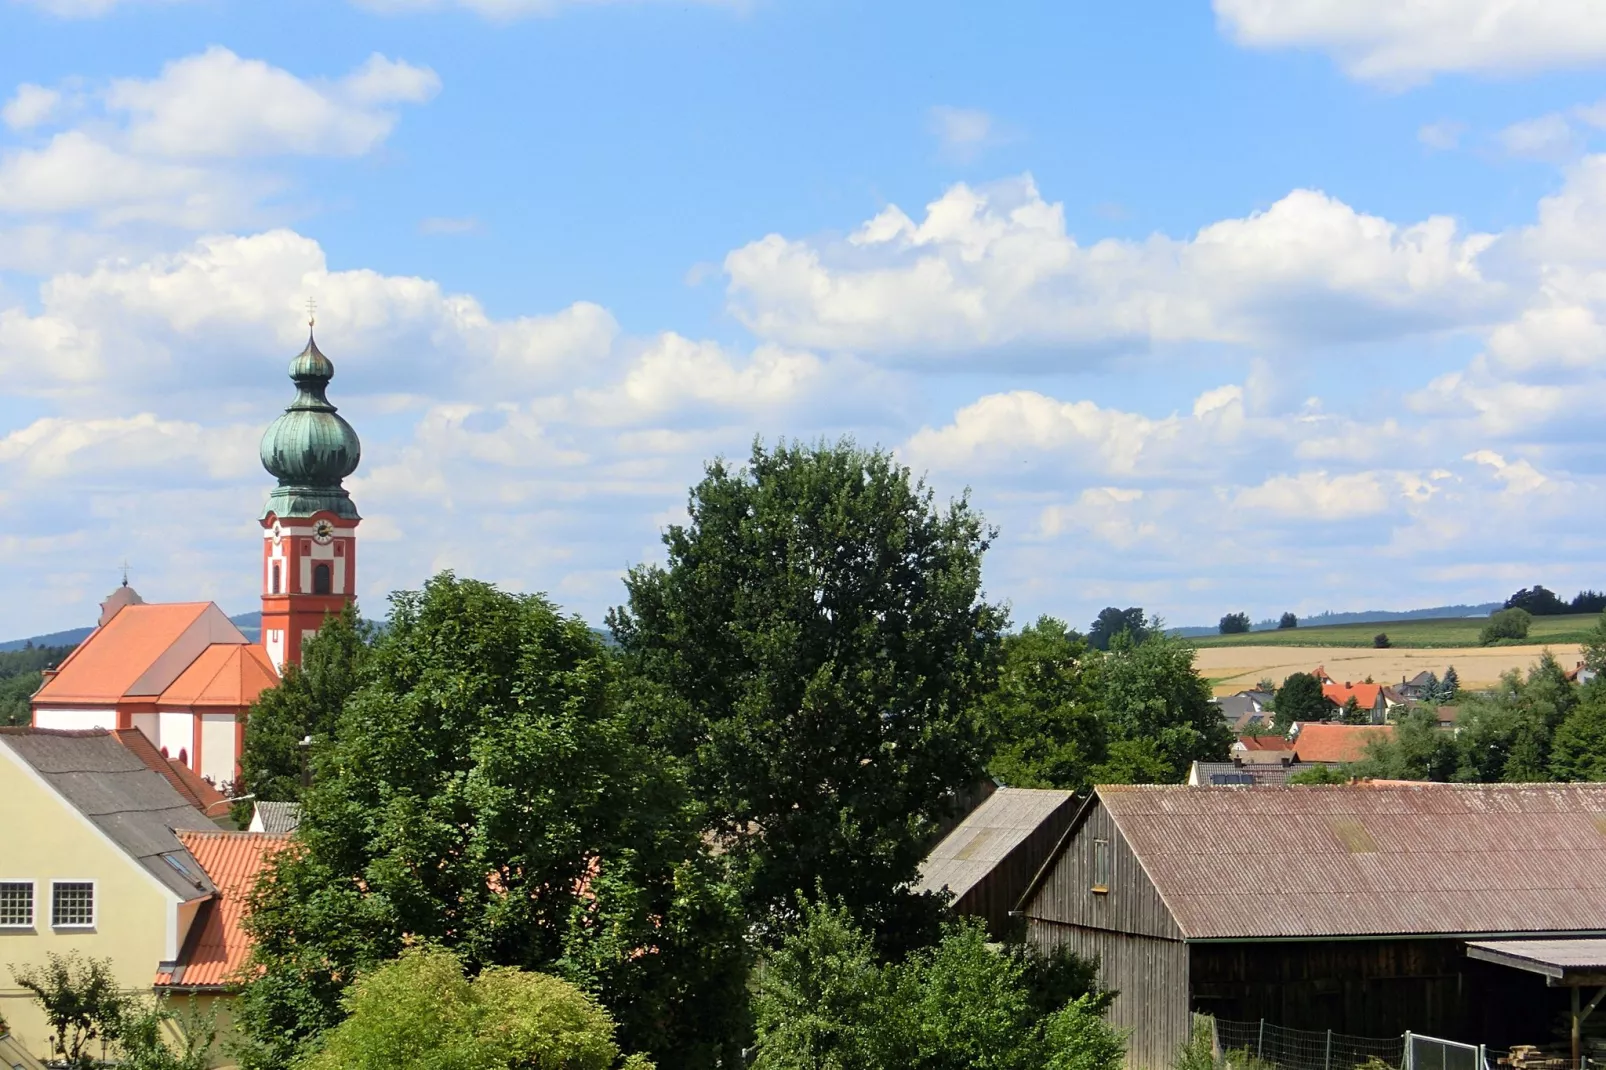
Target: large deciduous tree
(485, 792)
(1301, 699)
(1043, 719)
(1158, 711)
(1112, 622)
(820, 641)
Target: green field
(1431, 632)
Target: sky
(1253, 305)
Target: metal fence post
(1407, 1060)
(1260, 1041)
(1327, 1063)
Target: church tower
(309, 528)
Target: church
(182, 673)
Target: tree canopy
(1234, 624)
(1301, 699)
(1044, 718)
(1286, 621)
(819, 642)
(485, 790)
(1158, 712)
(1506, 624)
(1112, 622)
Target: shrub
(1234, 624)
(1505, 624)
(1381, 641)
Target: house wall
(176, 732)
(1128, 928)
(135, 917)
(217, 748)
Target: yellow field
(1233, 668)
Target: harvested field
(1233, 668)
(1428, 631)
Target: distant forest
(19, 678)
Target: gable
(1063, 890)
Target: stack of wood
(1531, 1057)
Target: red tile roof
(216, 948)
(1319, 742)
(1365, 694)
(224, 675)
(107, 664)
(1270, 741)
(196, 791)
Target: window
(1101, 865)
(321, 582)
(273, 584)
(16, 904)
(72, 904)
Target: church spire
(311, 448)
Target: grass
(1431, 632)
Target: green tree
(82, 1002)
(1505, 624)
(485, 790)
(306, 705)
(419, 1012)
(1301, 699)
(20, 677)
(1381, 641)
(1418, 750)
(1112, 622)
(1042, 718)
(1158, 709)
(1320, 773)
(1594, 646)
(1578, 749)
(1450, 686)
(1540, 601)
(821, 644)
(1234, 624)
(1286, 621)
(1353, 713)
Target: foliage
(825, 1003)
(1158, 711)
(1320, 774)
(1198, 1052)
(819, 644)
(1418, 750)
(1594, 646)
(1538, 602)
(20, 677)
(485, 790)
(1588, 601)
(1042, 719)
(1578, 749)
(1450, 686)
(1301, 699)
(1234, 624)
(1418, 633)
(1112, 623)
(305, 705)
(1380, 641)
(152, 1036)
(1286, 621)
(419, 1012)
(81, 1001)
(1506, 624)
(1353, 713)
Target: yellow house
(90, 862)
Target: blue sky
(1214, 307)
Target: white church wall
(149, 725)
(74, 719)
(217, 747)
(176, 732)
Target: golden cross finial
(125, 572)
(312, 312)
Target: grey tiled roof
(132, 804)
(1260, 773)
(278, 817)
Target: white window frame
(1100, 882)
(94, 904)
(33, 923)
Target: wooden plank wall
(1130, 906)
(1151, 977)
(999, 892)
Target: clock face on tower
(323, 531)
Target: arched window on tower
(321, 583)
(273, 579)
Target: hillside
(248, 623)
(1429, 633)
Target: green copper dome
(310, 449)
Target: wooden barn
(1347, 907)
(990, 857)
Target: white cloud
(86, 9)
(75, 172)
(964, 132)
(29, 106)
(1547, 137)
(1317, 496)
(993, 267)
(219, 105)
(1519, 476)
(56, 447)
(1443, 135)
(1400, 42)
(449, 225)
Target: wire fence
(1265, 1046)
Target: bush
(1199, 1053)
(1287, 620)
(1506, 624)
(1234, 624)
(1380, 641)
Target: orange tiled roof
(1318, 742)
(226, 674)
(196, 791)
(1271, 741)
(107, 664)
(1365, 694)
(215, 950)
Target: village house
(1372, 700)
(1348, 908)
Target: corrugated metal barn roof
(1371, 859)
(986, 837)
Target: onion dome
(310, 449)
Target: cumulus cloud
(1317, 496)
(1401, 42)
(29, 106)
(1443, 135)
(1546, 137)
(993, 267)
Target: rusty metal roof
(1371, 858)
(986, 837)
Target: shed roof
(986, 837)
(216, 948)
(138, 653)
(1371, 858)
(1560, 960)
(132, 804)
(1318, 741)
